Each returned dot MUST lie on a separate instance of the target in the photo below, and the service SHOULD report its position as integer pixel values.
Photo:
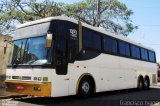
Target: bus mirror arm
(49, 40)
(80, 35)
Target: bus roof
(98, 29)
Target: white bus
(60, 56)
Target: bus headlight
(45, 78)
(8, 77)
(39, 78)
(35, 78)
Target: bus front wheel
(85, 87)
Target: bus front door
(61, 64)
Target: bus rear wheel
(85, 88)
(146, 83)
(140, 83)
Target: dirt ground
(3, 92)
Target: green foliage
(6, 23)
(33, 10)
(112, 14)
(19, 11)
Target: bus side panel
(109, 75)
(110, 72)
(104, 70)
(134, 68)
(113, 76)
(60, 85)
(75, 70)
(151, 71)
(129, 68)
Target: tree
(111, 14)
(6, 23)
(20, 11)
(33, 10)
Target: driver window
(61, 55)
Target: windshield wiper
(30, 63)
(15, 60)
(25, 50)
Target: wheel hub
(146, 83)
(85, 87)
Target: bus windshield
(30, 51)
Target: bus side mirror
(49, 41)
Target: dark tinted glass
(144, 54)
(135, 51)
(152, 56)
(110, 45)
(91, 39)
(73, 49)
(124, 48)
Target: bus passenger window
(152, 56)
(124, 48)
(110, 45)
(135, 51)
(91, 39)
(144, 54)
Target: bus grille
(26, 78)
(16, 77)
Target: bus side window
(61, 56)
(135, 51)
(124, 48)
(91, 40)
(151, 56)
(144, 54)
(110, 45)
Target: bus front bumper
(29, 88)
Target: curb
(12, 96)
(4, 97)
(155, 87)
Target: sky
(147, 17)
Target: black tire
(146, 83)
(140, 85)
(85, 88)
